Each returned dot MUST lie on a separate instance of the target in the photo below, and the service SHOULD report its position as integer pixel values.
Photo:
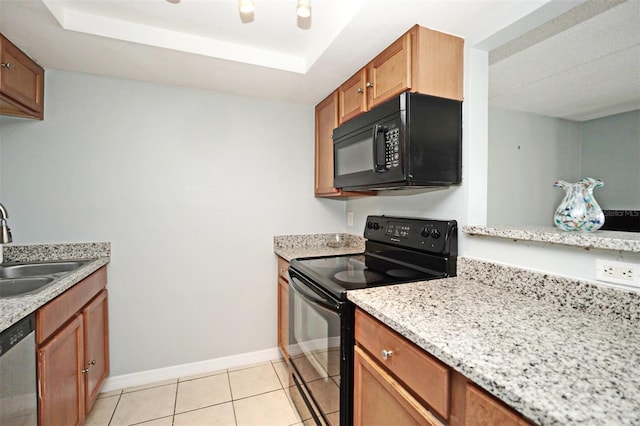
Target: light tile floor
(255, 395)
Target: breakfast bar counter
(559, 352)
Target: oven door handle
(313, 297)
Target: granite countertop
(13, 309)
(315, 245)
(610, 240)
(558, 355)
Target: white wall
(611, 152)
(189, 186)
(527, 154)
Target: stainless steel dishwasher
(18, 393)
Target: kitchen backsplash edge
(51, 252)
(581, 295)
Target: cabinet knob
(89, 364)
(360, 90)
(369, 84)
(386, 354)
(6, 65)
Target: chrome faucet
(6, 232)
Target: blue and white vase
(579, 210)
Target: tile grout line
(113, 413)
(233, 406)
(175, 403)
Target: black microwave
(412, 140)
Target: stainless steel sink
(21, 286)
(18, 279)
(24, 270)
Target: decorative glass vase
(579, 210)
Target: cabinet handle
(6, 65)
(360, 90)
(93, 362)
(386, 354)
(86, 370)
(369, 84)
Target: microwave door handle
(379, 146)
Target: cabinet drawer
(283, 266)
(427, 377)
(380, 400)
(58, 311)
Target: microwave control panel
(392, 148)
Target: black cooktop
(351, 272)
(398, 250)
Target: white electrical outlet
(349, 219)
(627, 274)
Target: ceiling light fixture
(304, 8)
(246, 6)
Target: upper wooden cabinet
(422, 60)
(352, 96)
(21, 83)
(326, 121)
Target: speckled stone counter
(610, 240)
(554, 353)
(15, 308)
(316, 245)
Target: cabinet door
(484, 410)
(352, 97)
(390, 72)
(96, 348)
(381, 400)
(60, 377)
(21, 79)
(326, 121)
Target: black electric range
(398, 250)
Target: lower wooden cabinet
(72, 359)
(381, 400)
(472, 406)
(61, 382)
(283, 308)
(96, 347)
(396, 382)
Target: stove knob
(425, 232)
(376, 226)
(435, 233)
(369, 225)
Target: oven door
(315, 347)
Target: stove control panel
(429, 235)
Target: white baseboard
(186, 370)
